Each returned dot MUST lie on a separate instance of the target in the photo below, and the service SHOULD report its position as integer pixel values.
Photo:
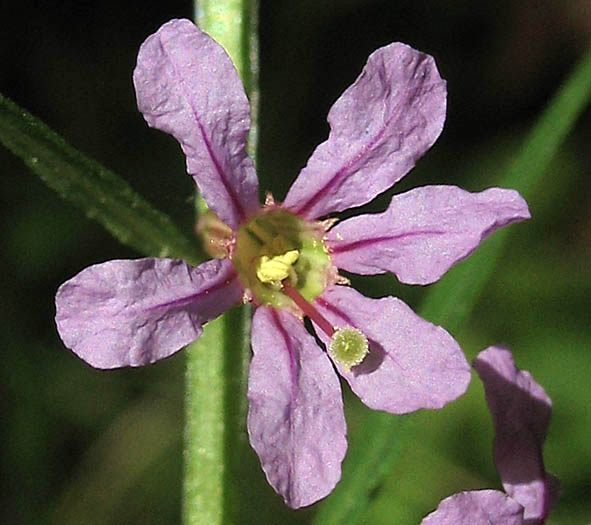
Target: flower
(521, 412)
(285, 260)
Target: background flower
(521, 413)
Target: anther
(275, 269)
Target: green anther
(274, 269)
(348, 347)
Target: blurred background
(85, 446)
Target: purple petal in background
(186, 85)
(478, 507)
(521, 412)
(424, 231)
(295, 419)
(380, 127)
(412, 364)
(135, 312)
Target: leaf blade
(98, 191)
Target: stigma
(348, 345)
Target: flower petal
(412, 364)
(477, 507)
(380, 127)
(424, 232)
(295, 419)
(186, 85)
(135, 312)
(521, 412)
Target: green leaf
(102, 194)
(450, 302)
(370, 458)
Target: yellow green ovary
(276, 245)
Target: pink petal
(424, 232)
(521, 412)
(380, 127)
(411, 364)
(186, 85)
(135, 312)
(477, 507)
(295, 419)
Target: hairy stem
(216, 444)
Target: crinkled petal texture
(296, 422)
(380, 127)
(134, 312)
(478, 507)
(411, 364)
(186, 85)
(521, 412)
(424, 231)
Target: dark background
(84, 446)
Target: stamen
(327, 224)
(274, 269)
(308, 309)
(269, 200)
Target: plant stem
(234, 25)
(215, 412)
(216, 442)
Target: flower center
(282, 262)
(276, 246)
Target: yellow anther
(277, 268)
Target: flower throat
(283, 262)
(276, 247)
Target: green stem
(215, 414)
(234, 25)
(216, 442)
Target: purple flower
(521, 412)
(284, 259)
